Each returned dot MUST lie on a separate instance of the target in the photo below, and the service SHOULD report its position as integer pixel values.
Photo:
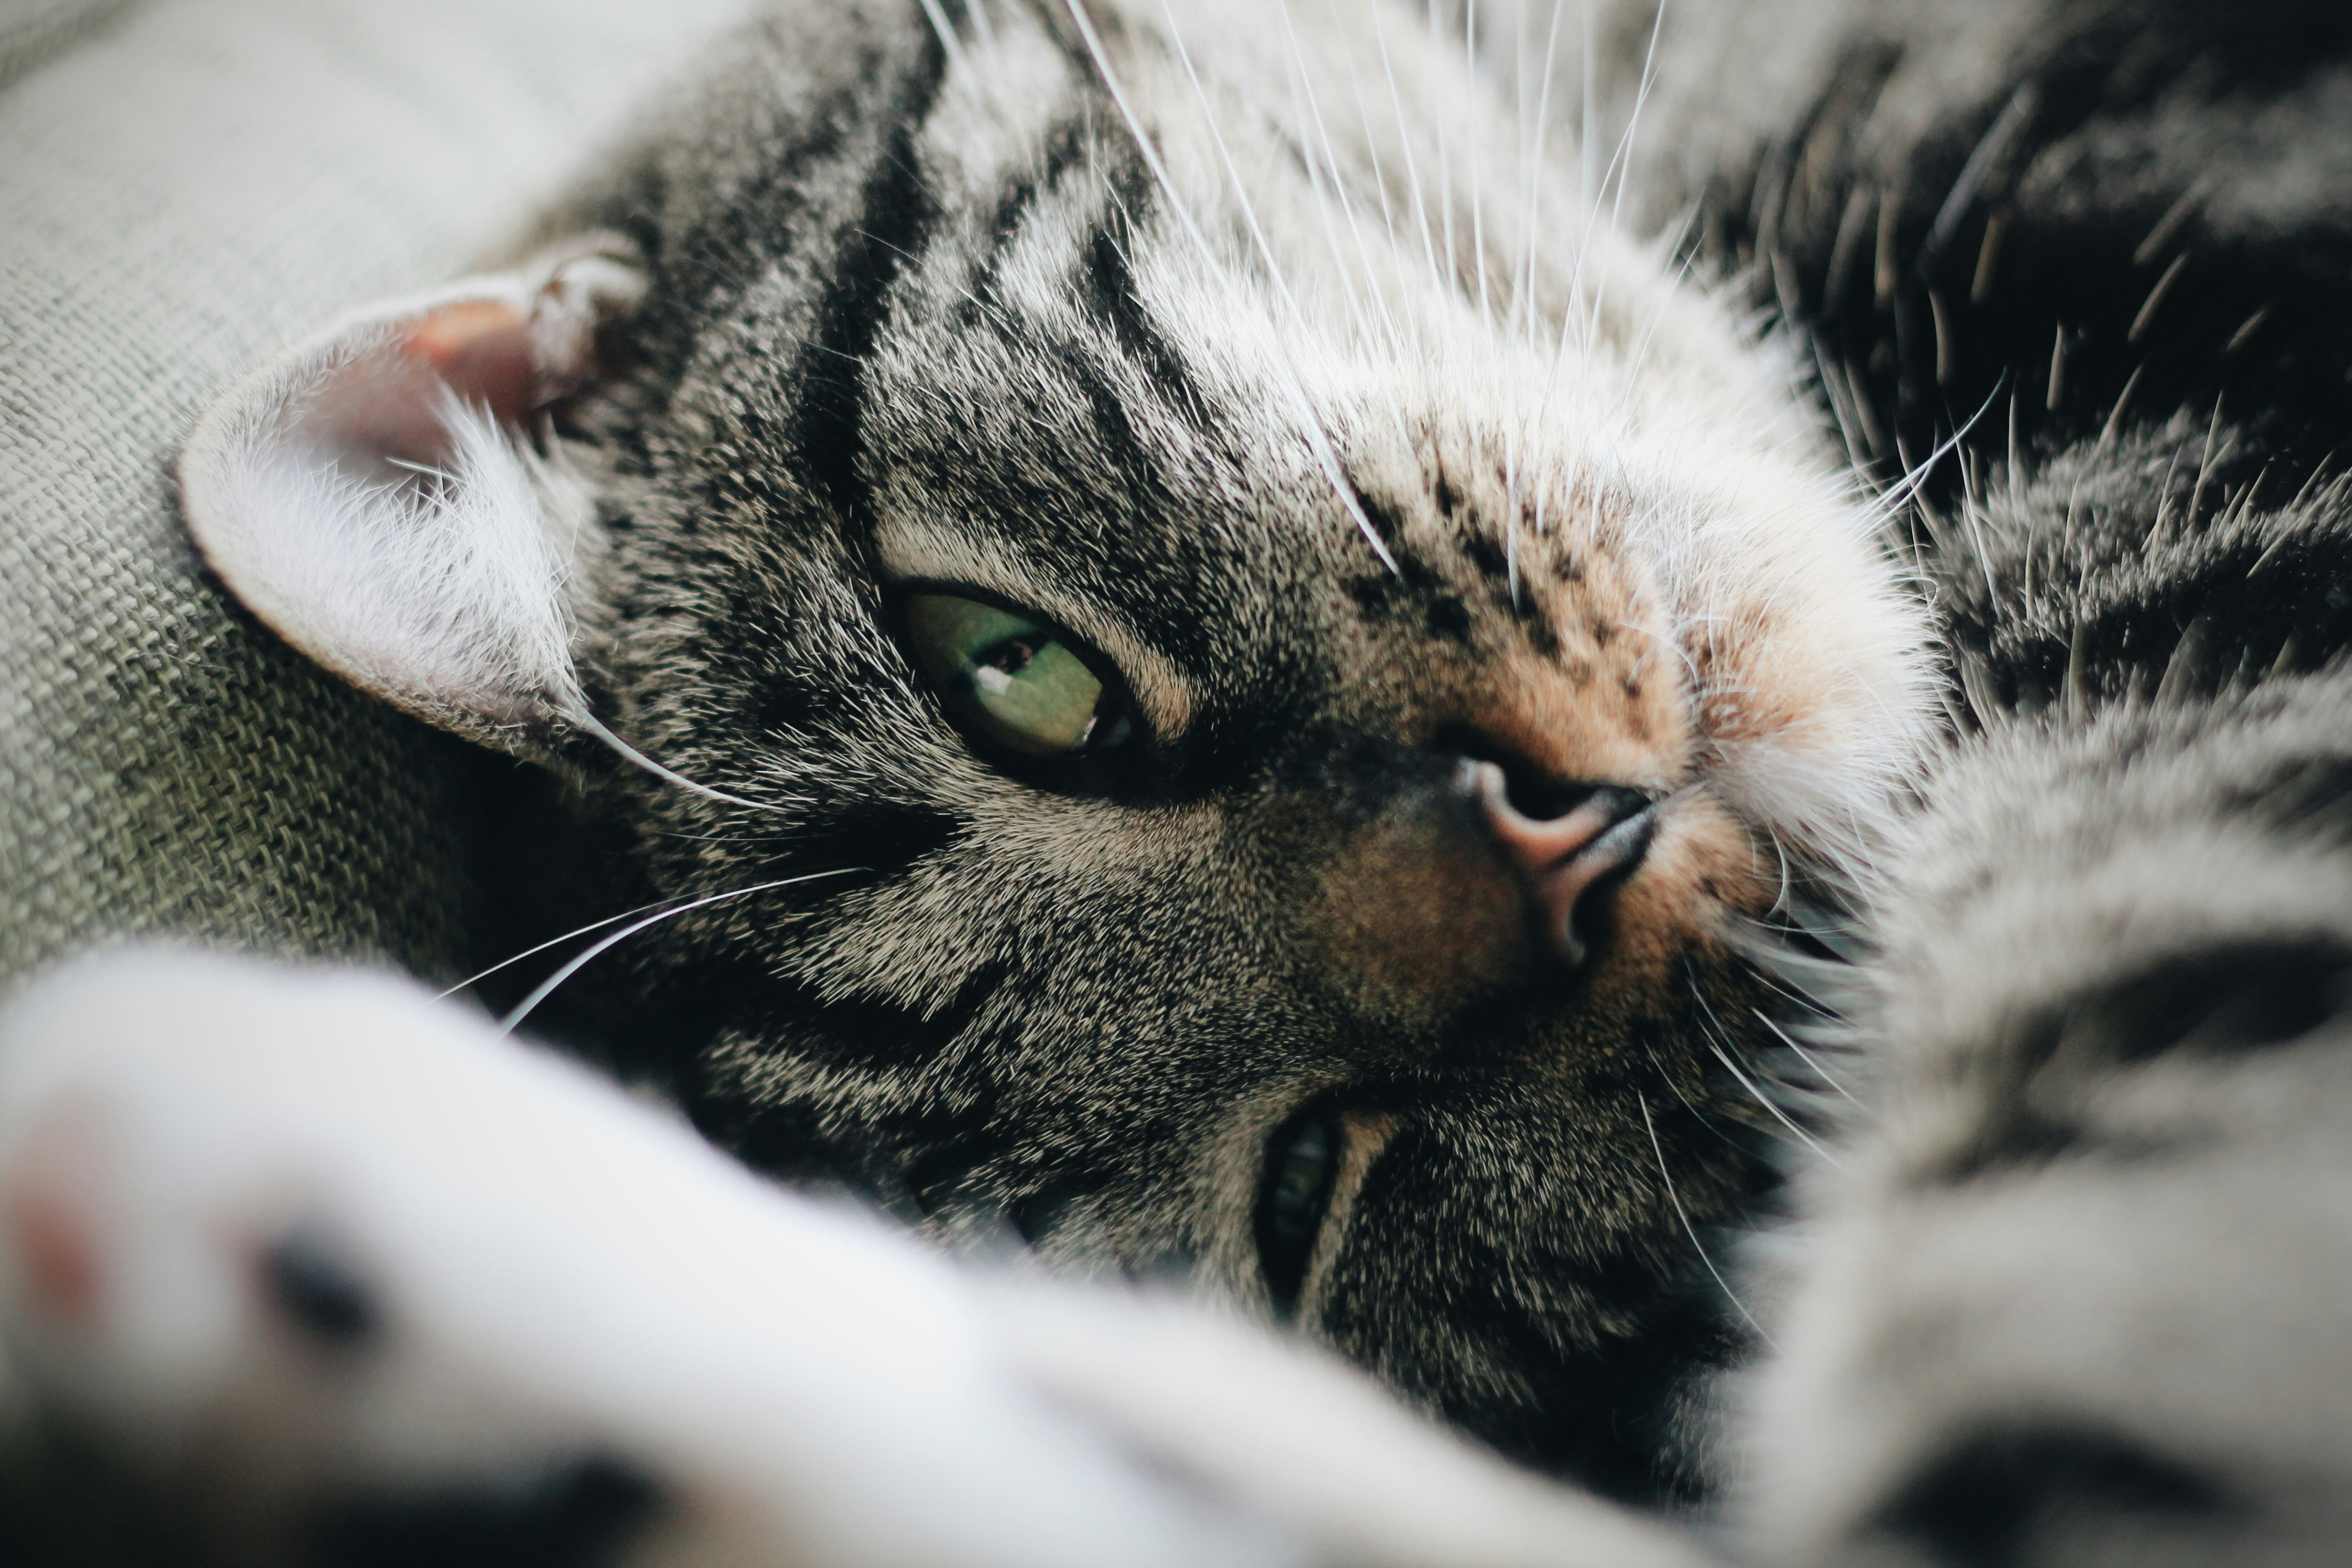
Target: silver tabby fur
(2065, 1296)
(918, 309)
(2055, 1281)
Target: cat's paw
(2077, 1296)
(349, 1280)
(335, 1276)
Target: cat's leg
(2077, 1295)
(2073, 1296)
(331, 1274)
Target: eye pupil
(1298, 1183)
(1011, 655)
(1302, 1167)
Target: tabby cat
(1210, 669)
(1200, 663)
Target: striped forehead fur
(1402, 252)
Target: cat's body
(2060, 1297)
(1488, 644)
(1488, 655)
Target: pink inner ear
(483, 350)
(386, 408)
(49, 1225)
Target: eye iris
(1005, 676)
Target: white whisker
(1379, 174)
(547, 987)
(1314, 113)
(1477, 172)
(1404, 138)
(1444, 171)
(1588, 134)
(1622, 160)
(551, 941)
(595, 727)
(1691, 1230)
(1803, 1055)
(1539, 137)
(1780, 899)
(1716, 1045)
(946, 33)
(1318, 439)
(980, 25)
(1308, 116)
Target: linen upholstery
(186, 186)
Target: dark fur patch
(1449, 617)
(1067, 149)
(2244, 997)
(580, 1515)
(315, 1286)
(1110, 300)
(895, 214)
(1990, 1498)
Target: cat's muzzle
(1571, 852)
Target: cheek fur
(1702, 867)
(1410, 920)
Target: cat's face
(1267, 679)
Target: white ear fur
(368, 494)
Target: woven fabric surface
(183, 188)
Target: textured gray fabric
(188, 186)
(32, 30)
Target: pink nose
(1569, 862)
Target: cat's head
(1226, 663)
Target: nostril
(1544, 822)
(1531, 791)
(1541, 799)
(1594, 839)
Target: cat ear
(376, 498)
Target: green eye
(1010, 678)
